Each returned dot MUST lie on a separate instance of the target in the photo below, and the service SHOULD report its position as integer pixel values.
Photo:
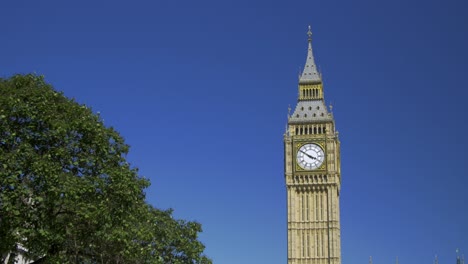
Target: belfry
(312, 174)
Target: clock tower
(312, 174)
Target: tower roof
(311, 105)
(310, 111)
(310, 73)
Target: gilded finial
(309, 33)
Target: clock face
(310, 156)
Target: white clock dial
(310, 156)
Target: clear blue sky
(200, 90)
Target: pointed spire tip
(309, 33)
(310, 73)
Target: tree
(67, 193)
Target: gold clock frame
(321, 144)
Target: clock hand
(308, 155)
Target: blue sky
(200, 91)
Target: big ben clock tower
(312, 173)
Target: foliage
(67, 193)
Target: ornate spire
(310, 73)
